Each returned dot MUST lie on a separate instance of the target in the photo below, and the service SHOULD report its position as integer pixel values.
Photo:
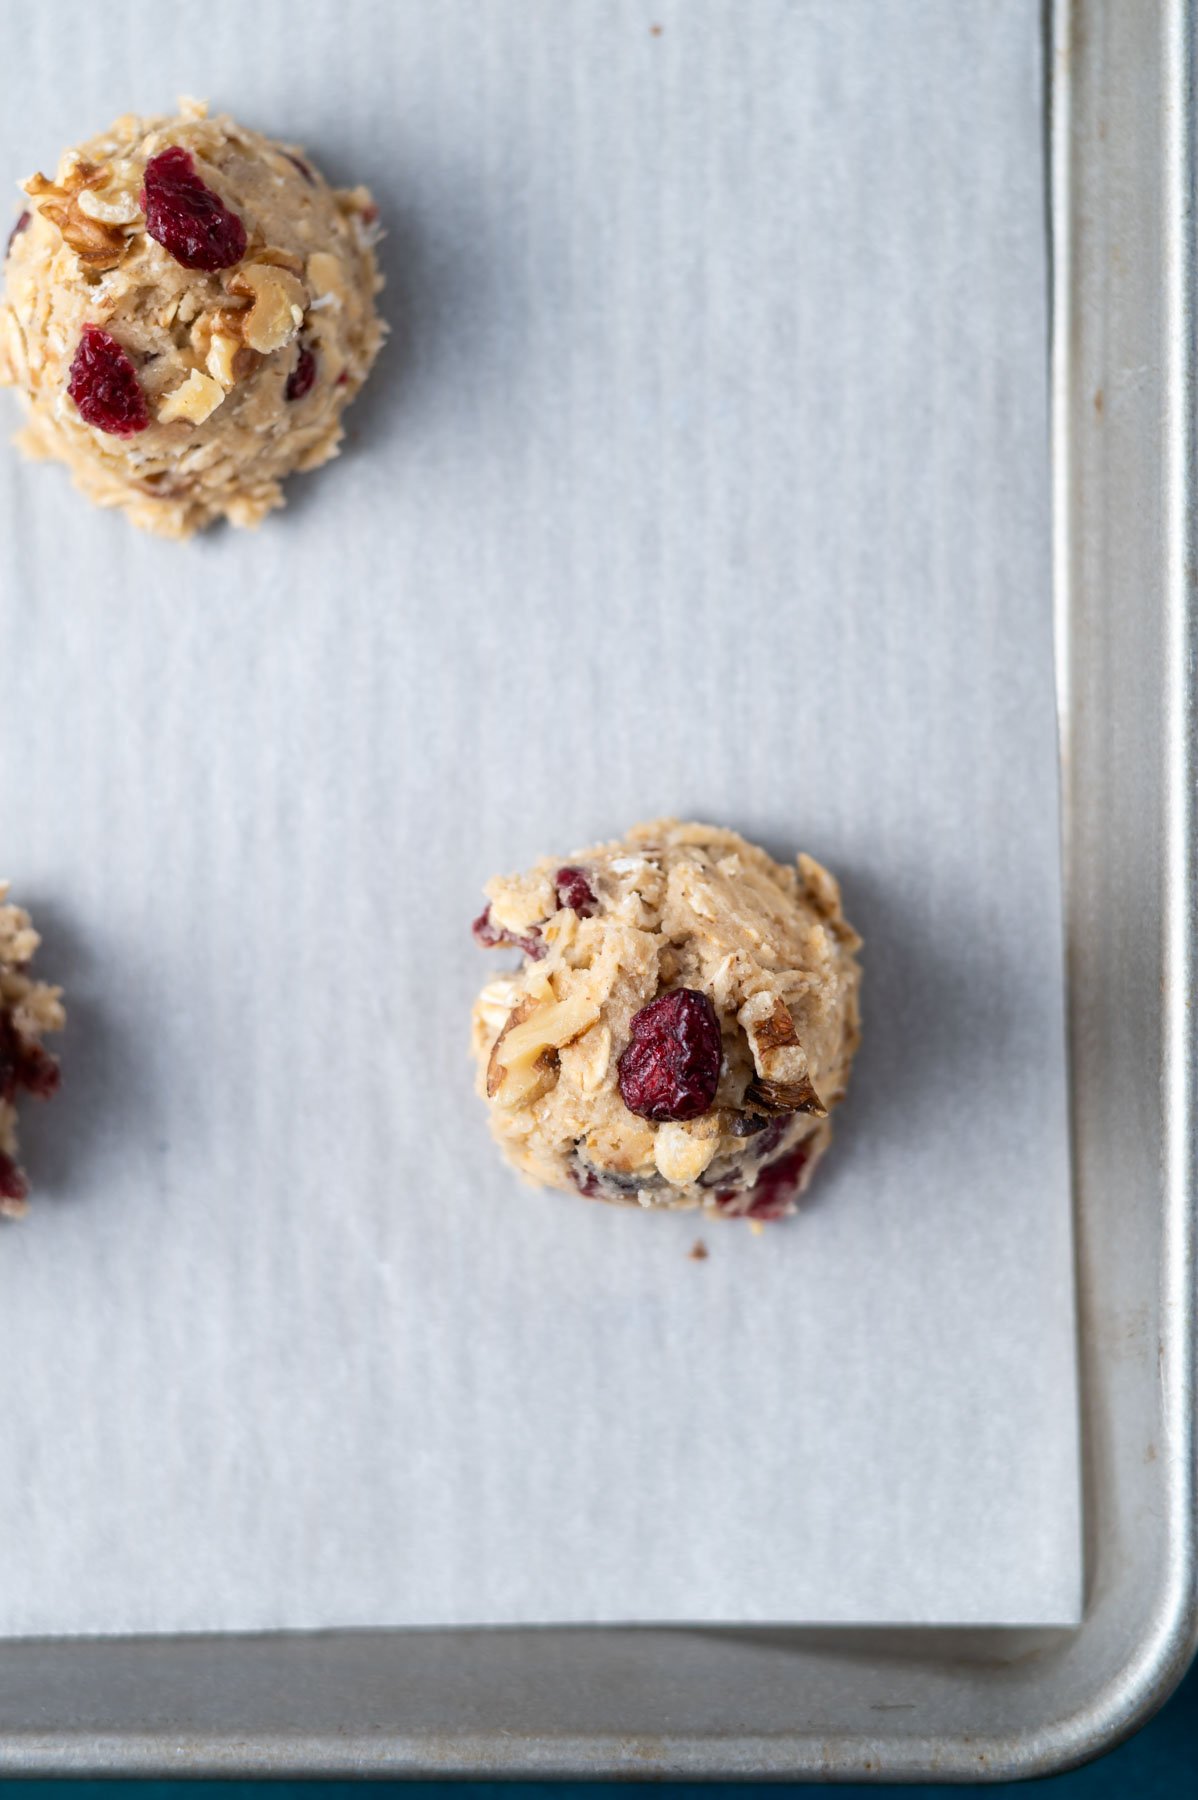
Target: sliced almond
(496, 1003)
(529, 1082)
(516, 1081)
(497, 1064)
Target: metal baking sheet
(845, 1705)
(761, 280)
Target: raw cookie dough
(206, 299)
(683, 1022)
(27, 1009)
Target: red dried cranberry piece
(186, 217)
(485, 933)
(13, 1185)
(775, 1187)
(608, 1185)
(494, 937)
(21, 225)
(573, 889)
(671, 1069)
(10, 1056)
(586, 1181)
(38, 1073)
(24, 1065)
(302, 377)
(771, 1137)
(104, 385)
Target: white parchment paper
(705, 472)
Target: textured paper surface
(705, 472)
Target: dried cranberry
(186, 217)
(13, 1185)
(104, 385)
(608, 1185)
(24, 1064)
(10, 1056)
(21, 225)
(772, 1136)
(573, 889)
(297, 162)
(776, 1187)
(671, 1068)
(38, 1073)
(494, 937)
(302, 377)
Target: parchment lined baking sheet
(706, 472)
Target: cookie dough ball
(681, 1026)
(189, 310)
(27, 1009)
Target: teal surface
(1161, 1760)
